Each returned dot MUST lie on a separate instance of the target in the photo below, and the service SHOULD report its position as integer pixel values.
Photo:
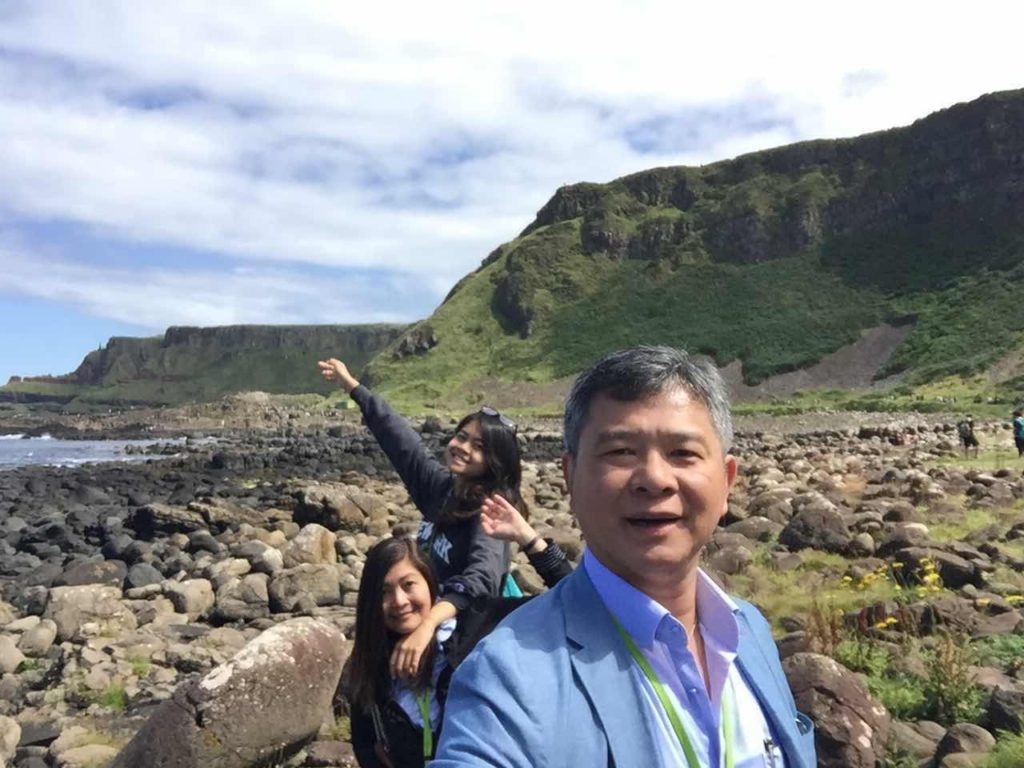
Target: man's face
(648, 484)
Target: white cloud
(316, 132)
(155, 298)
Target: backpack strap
(378, 726)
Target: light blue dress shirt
(663, 641)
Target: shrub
(903, 695)
(950, 693)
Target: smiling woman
(481, 460)
(397, 716)
(396, 593)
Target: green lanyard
(423, 699)
(670, 711)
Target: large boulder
(111, 572)
(10, 735)
(817, 527)
(1006, 710)
(243, 599)
(316, 584)
(89, 610)
(151, 519)
(314, 544)
(193, 597)
(10, 655)
(851, 728)
(954, 570)
(329, 506)
(964, 738)
(268, 700)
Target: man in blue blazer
(638, 659)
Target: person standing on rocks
(637, 659)
(482, 459)
(396, 718)
(1018, 431)
(965, 429)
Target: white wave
(12, 437)
(45, 436)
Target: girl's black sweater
(468, 563)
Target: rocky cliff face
(175, 355)
(949, 189)
(205, 363)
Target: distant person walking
(965, 428)
(1018, 431)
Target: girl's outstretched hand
(336, 371)
(501, 520)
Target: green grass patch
(140, 666)
(1003, 651)
(112, 697)
(989, 459)
(784, 593)
(1008, 751)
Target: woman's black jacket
(468, 563)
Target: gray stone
(817, 527)
(10, 735)
(283, 681)
(36, 641)
(10, 656)
(317, 583)
(243, 599)
(193, 597)
(90, 610)
(110, 572)
(314, 544)
(329, 506)
(1006, 710)
(964, 737)
(905, 737)
(851, 728)
(143, 575)
(86, 756)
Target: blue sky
(315, 162)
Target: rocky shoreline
(128, 587)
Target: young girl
(396, 717)
(482, 459)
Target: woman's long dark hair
(503, 471)
(371, 678)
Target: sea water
(19, 451)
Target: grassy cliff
(775, 259)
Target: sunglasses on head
(505, 421)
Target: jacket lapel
(757, 671)
(604, 667)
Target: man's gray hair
(641, 372)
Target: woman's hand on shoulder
(408, 652)
(334, 370)
(501, 520)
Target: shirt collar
(640, 616)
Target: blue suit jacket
(552, 686)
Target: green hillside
(776, 259)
